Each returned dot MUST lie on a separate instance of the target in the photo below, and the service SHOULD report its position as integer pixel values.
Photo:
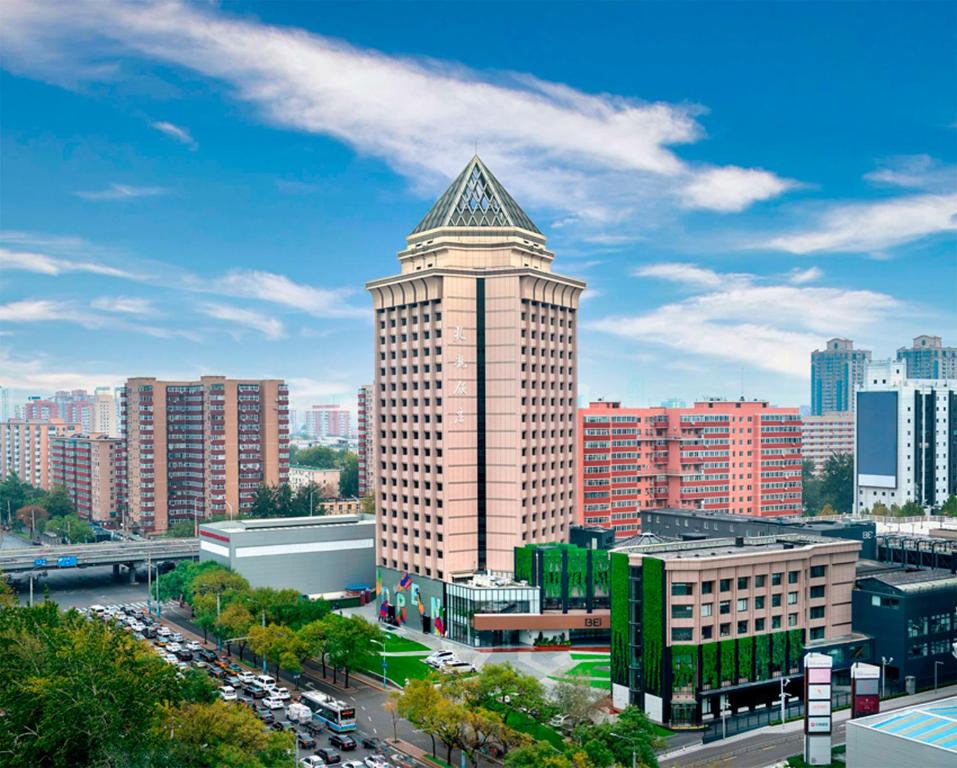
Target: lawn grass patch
(599, 669)
(400, 669)
(397, 644)
(585, 656)
(523, 723)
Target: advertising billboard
(877, 439)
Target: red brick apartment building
(737, 456)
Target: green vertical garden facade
(620, 603)
(653, 623)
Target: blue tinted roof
(927, 724)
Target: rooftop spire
(476, 199)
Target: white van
(298, 713)
(266, 682)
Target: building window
(917, 627)
(725, 606)
(725, 630)
(792, 598)
(681, 588)
(817, 612)
(759, 603)
(742, 604)
(759, 625)
(776, 579)
(817, 591)
(793, 577)
(707, 609)
(742, 627)
(707, 632)
(817, 633)
(743, 582)
(917, 650)
(818, 571)
(725, 585)
(707, 587)
(681, 634)
(775, 622)
(776, 600)
(682, 612)
(759, 581)
(792, 619)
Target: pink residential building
(737, 456)
(366, 423)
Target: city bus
(339, 716)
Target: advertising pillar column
(865, 689)
(817, 709)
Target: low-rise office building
(692, 524)
(313, 555)
(699, 627)
(326, 480)
(912, 615)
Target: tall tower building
(928, 358)
(475, 387)
(198, 448)
(836, 372)
(366, 423)
(104, 412)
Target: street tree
(539, 754)
(70, 528)
(500, 687)
(837, 482)
(316, 640)
(576, 699)
(350, 638)
(419, 704)
(630, 737)
(234, 622)
(810, 488)
(57, 502)
(480, 728)
(279, 644)
(949, 507)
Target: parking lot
(317, 744)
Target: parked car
(330, 756)
(315, 727)
(377, 761)
(281, 693)
(235, 668)
(267, 717)
(353, 764)
(312, 761)
(437, 658)
(370, 742)
(246, 677)
(233, 680)
(255, 691)
(228, 693)
(272, 702)
(193, 645)
(183, 655)
(306, 741)
(206, 655)
(266, 681)
(178, 637)
(457, 667)
(216, 672)
(298, 713)
(345, 742)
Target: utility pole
(884, 662)
(784, 696)
(219, 639)
(264, 651)
(310, 500)
(149, 586)
(31, 589)
(935, 674)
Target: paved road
(79, 587)
(766, 746)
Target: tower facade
(928, 358)
(475, 388)
(836, 372)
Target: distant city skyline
(173, 209)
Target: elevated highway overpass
(116, 553)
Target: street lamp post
(885, 660)
(936, 663)
(196, 518)
(724, 722)
(784, 696)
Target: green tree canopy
(949, 507)
(810, 488)
(837, 482)
(70, 528)
(57, 502)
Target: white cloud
(45, 310)
(872, 227)
(802, 276)
(176, 132)
(732, 188)
(686, 274)
(40, 374)
(124, 305)
(279, 289)
(915, 172)
(270, 327)
(27, 261)
(601, 158)
(121, 192)
(769, 327)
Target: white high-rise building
(906, 438)
(4, 404)
(104, 412)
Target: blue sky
(204, 188)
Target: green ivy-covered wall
(652, 622)
(762, 657)
(552, 573)
(709, 665)
(795, 647)
(577, 572)
(746, 658)
(778, 641)
(727, 661)
(523, 564)
(684, 666)
(599, 572)
(620, 641)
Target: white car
(228, 693)
(457, 667)
(377, 761)
(246, 677)
(163, 631)
(312, 761)
(173, 647)
(177, 637)
(272, 702)
(281, 693)
(352, 764)
(192, 645)
(169, 657)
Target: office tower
(93, 472)
(826, 436)
(737, 456)
(836, 371)
(928, 358)
(906, 447)
(366, 438)
(104, 413)
(4, 404)
(475, 386)
(25, 449)
(198, 448)
(328, 421)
